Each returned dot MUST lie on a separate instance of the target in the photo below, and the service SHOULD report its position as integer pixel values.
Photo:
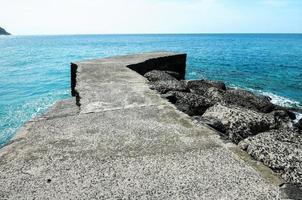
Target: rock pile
(266, 131)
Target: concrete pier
(118, 139)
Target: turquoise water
(35, 69)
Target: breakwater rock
(265, 130)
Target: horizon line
(213, 33)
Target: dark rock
(282, 119)
(170, 96)
(291, 191)
(280, 150)
(169, 85)
(248, 100)
(240, 122)
(3, 32)
(288, 111)
(202, 86)
(210, 121)
(214, 95)
(174, 74)
(216, 92)
(189, 103)
(299, 124)
(175, 63)
(157, 75)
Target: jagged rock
(214, 95)
(169, 85)
(202, 86)
(240, 122)
(282, 119)
(210, 121)
(248, 100)
(288, 111)
(216, 91)
(299, 124)
(189, 103)
(280, 150)
(174, 74)
(157, 75)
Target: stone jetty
(118, 139)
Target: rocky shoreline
(266, 131)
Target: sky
(35, 17)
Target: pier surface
(118, 139)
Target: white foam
(278, 100)
(282, 101)
(298, 117)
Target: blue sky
(33, 17)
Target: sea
(35, 70)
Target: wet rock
(288, 111)
(169, 85)
(240, 122)
(202, 86)
(157, 75)
(299, 124)
(248, 100)
(210, 121)
(282, 119)
(189, 103)
(280, 150)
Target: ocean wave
(282, 101)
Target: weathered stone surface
(240, 122)
(282, 119)
(189, 103)
(169, 85)
(291, 191)
(289, 112)
(201, 86)
(281, 150)
(176, 75)
(156, 75)
(210, 121)
(248, 100)
(216, 92)
(215, 95)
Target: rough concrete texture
(123, 142)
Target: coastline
(20, 97)
(140, 137)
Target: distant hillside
(3, 32)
